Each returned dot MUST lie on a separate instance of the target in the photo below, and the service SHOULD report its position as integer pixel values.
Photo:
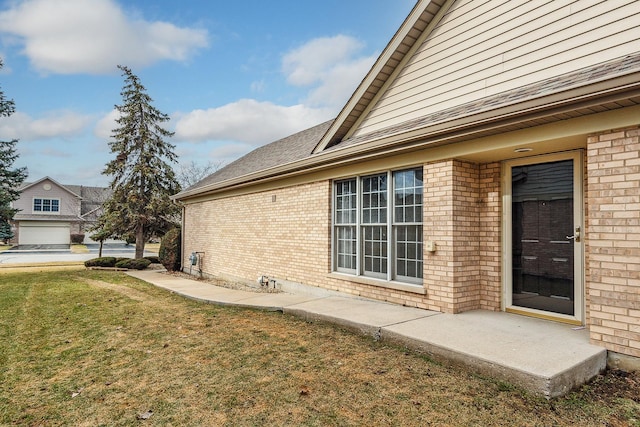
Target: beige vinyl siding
(69, 204)
(25, 203)
(482, 48)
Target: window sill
(398, 286)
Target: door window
(541, 229)
(543, 248)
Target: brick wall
(284, 234)
(262, 234)
(16, 233)
(490, 237)
(438, 227)
(587, 295)
(613, 240)
(466, 242)
(462, 216)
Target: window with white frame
(41, 205)
(378, 225)
(345, 225)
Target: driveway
(42, 254)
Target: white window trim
(360, 225)
(35, 212)
(391, 280)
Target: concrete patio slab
(363, 315)
(541, 356)
(545, 356)
(275, 301)
(207, 292)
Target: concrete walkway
(541, 356)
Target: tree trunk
(100, 251)
(140, 242)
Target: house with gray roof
(489, 160)
(50, 212)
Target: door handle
(576, 236)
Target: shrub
(77, 239)
(169, 252)
(5, 231)
(133, 264)
(107, 261)
(153, 259)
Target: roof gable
(421, 20)
(51, 181)
(488, 56)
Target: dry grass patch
(152, 247)
(43, 267)
(101, 348)
(79, 249)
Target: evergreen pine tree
(10, 179)
(142, 177)
(5, 232)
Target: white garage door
(44, 233)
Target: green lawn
(100, 348)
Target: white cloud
(54, 124)
(248, 121)
(330, 67)
(258, 86)
(93, 36)
(106, 124)
(52, 152)
(307, 64)
(5, 69)
(331, 64)
(339, 83)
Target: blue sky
(233, 75)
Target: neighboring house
(50, 212)
(489, 160)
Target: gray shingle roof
(286, 150)
(92, 197)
